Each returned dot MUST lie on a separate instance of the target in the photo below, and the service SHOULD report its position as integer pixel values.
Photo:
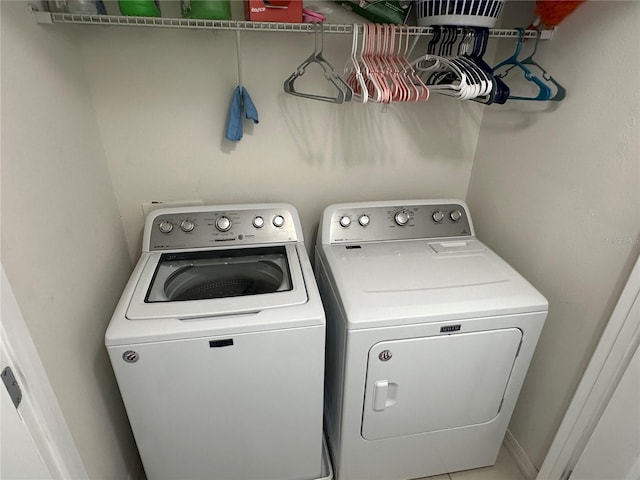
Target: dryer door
(426, 384)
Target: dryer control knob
(187, 226)
(401, 218)
(165, 226)
(258, 222)
(455, 215)
(364, 220)
(223, 224)
(345, 221)
(278, 221)
(437, 216)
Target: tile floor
(504, 469)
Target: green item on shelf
(209, 9)
(379, 11)
(139, 8)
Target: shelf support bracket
(38, 16)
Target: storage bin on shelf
(475, 13)
(286, 11)
(379, 11)
(140, 8)
(209, 9)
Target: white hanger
(353, 73)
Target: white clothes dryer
(218, 346)
(429, 337)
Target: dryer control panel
(381, 221)
(171, 229)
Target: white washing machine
(218, 346)
(429, 337)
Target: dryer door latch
(384, 394)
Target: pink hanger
(419, 87)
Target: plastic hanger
(446, 49)
(387, 74)
(482, 84)
(374, 88)
(374, 67)
(444, 74)
(459, 74)
(543, 90)
(353, 72)
(377, 58)
(473, 53)
(437, 33)
(419, 91)
(402, 90)
(342, 84)
(343, 90)
(450, 38)
(406, 86)
(383, 69)
(560, 91)
(479, 84)
(399, 90)
(499, 91)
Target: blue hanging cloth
(250, 110)
(241, 103)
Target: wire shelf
(202, 24)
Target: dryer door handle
(384, 394)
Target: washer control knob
(223, 224)
(401, 218)
(437, 216)
(258, 222)
(345, 221)
(455, 215)
(278, 221)
(165, 226)
(364, 220)
(187, 226)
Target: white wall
(161, 99)
(98, 120)
(555, 189)
(63, 246)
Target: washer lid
(403, 282)
(217, 282)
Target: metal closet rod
(202, 24)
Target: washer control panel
(201, 229)
(373, 222)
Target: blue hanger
(544, 92)
(561, 92)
